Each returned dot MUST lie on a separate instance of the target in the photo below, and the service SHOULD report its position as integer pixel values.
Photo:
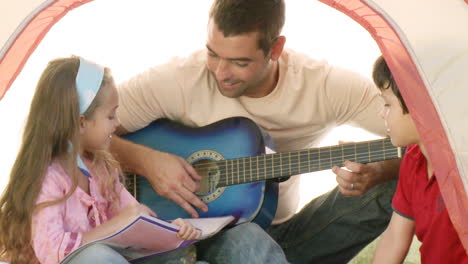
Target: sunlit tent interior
(423, 41)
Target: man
(245, 71)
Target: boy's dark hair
(235, 17)
(383, 78)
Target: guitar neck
(278, 165)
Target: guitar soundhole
(207, 169)
(204, 162)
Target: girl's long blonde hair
(52, 125)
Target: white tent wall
(419, 39)
(19, 13)
(28, 33)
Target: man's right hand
(173, 178)
(170, 176)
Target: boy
(418, 204)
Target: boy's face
(400, 127)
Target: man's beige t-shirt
(310, 99)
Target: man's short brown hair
(235, 17)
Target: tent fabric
(27, 34)
(428, 66)
(422, 41)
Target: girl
(64, 190)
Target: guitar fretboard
(271, 166)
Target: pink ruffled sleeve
(126, 198)
(50, 241)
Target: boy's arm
(395, 241)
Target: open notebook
(149, 236)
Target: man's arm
(356, 102)
(170, 176)
(395, 241)
(356, 179)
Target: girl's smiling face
(96, 133)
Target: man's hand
(356, 179)
(174, 178)
(170, 176)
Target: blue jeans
(102, 254)
(333, 228)
(98, 254)
(245, 243)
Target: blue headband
(88, 82)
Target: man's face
(238, 64)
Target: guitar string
(324, 161)
(327, 164)
(261, 174)
(316, 157)
(359, 150)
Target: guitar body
(227, 139)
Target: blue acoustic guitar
(238, 178)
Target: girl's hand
(187, 230)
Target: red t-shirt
(419, 199)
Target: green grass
(365, 256)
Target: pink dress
(57, 230)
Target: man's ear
(277, 48)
